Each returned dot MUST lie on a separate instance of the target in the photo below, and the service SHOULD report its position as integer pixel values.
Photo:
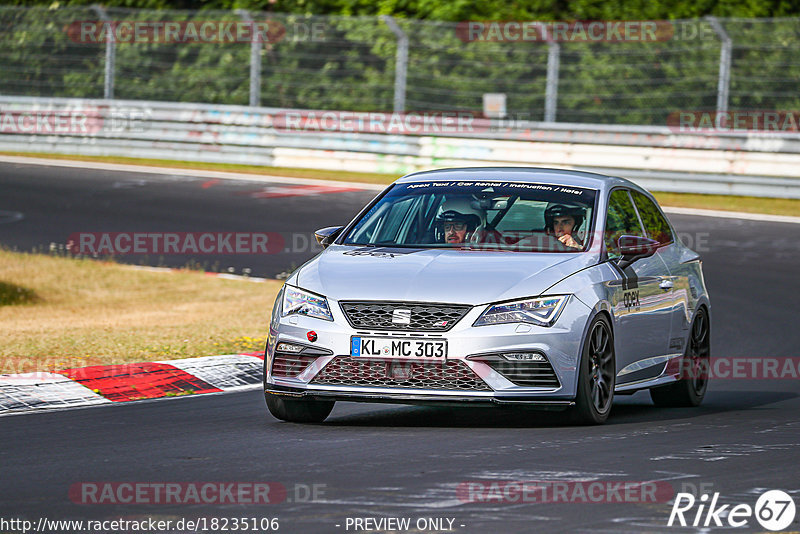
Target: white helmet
(460, 209)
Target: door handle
(666, 285)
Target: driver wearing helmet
(563, 222)
(457, 221)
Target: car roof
(540, 175)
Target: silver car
(544, 288)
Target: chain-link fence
(588, 75)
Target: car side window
(621, 219)
(383, 223)
(654, 222)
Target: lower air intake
(525, 373)
(349, 371)
(290, 365)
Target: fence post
(111, 52)
(255, 60)
(551, 88)
(401, 64)
(724, 81)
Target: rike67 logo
(774, 510)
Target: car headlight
(542, 311)
(297, 301)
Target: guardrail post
(724, 81)
(401, 64)
(255, 60)
(111, 52)
(551, 88)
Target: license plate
(398, 348)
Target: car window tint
(384, 221)
(388, 230)
(620, 220)
(500, 216)
(654, 222)
(523, 215)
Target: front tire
(596, 375)
(690, 390)
(298, 410)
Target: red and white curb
(108, 384)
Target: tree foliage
(458, 10)
(350, 63)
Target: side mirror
(633, 247)
(325, 236)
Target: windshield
(524, 217)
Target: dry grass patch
(84, 312)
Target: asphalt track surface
(400, 461)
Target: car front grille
(419, 316)
(524, 373)
(350, 371)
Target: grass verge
(80, 312)
(771, 206)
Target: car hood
(434, 275)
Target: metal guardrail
(656, 157)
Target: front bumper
(427, 398)
(469, 350)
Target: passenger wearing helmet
(457, 221)
(562, 222)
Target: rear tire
(596, 375)
(690, 390)
(298, 410)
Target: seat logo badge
(401, 316)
